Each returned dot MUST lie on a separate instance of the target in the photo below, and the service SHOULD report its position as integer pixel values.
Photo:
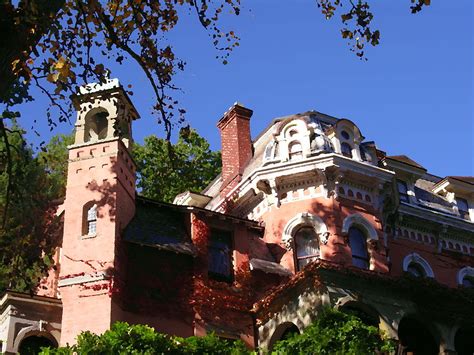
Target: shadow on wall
(416, 337)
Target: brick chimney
(234, 127)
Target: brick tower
(100, 202)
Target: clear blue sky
(414, 96)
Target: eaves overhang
(11, 296)
(319, 163)
(454, 184)
(436, 216)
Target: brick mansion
(307, 214)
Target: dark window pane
(345, 135)
(346, 150)
(416, 270)
(463, 207)
(402, 191)
(220, 254)
(360, 263)
(358, 244)
(468, 281)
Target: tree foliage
(54, 160)
(30, 229)
(165, 170)
(123, 338)
(335, 332)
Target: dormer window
(346, 149)
(463, 207)
(402, 191)
(345, 135)
(92, 220)
(295, 150)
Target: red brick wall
(105, 174)
(236, 145)
(333, 213)
(445, 264)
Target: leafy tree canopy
(335, 332)
(123, 338)
(29, 230)
(54, 160)
(165, 170)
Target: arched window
(416, 270)
(96, 126)
(466, 277)
(468, 281)
(415, 265)
(92, 220)
(346, 149)
(306, 246)
(295, 150)
(358, 244)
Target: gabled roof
(406, 160)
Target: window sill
(88, 236)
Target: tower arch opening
(96, 125)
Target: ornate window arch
(466, 273)
(293, 138)
(413, 259)
(356, 220)
(360, 233)
(297, 234)
(348, 139)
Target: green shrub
(123, 338)
(335, 332)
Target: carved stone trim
(304, 219)
(415, 258)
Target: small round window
(345, 135)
